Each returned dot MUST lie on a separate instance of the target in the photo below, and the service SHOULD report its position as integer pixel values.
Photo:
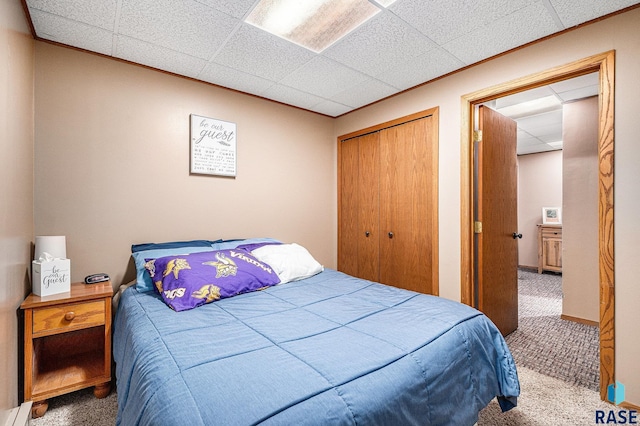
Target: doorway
(603, 64)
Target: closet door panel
(369, 201)
(348, 207)
(407, 206)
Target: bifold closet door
(359, 207)
(408, 206)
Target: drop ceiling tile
(526, 96)
(236, 8)
(577, 88)
(420, 69)
(364, 93)
(323, 77)
(186, 26)
(525, 139)
(257, 52)
(443, 21)
(542, 124)
(332, 109)
(516, 29)
(576, 83)
(98, 13)
(234, 79)
(158, 57)
(574, 12)
(550, 135)
(72, 33)
(581, 93)
(379, 44)
(291, 96)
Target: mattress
(330, 349)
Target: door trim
(604, 64)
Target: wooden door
(408, 206)
(358, 251)
(496, 209)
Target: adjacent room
(255, 216)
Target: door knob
(515, 235)
(367, 233)
(390, 234)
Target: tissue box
(51, 276)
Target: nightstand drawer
(78, 315)
(552, 232)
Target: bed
(327, 349)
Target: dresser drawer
(77, 315)
(550, 232)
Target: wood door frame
(431, 112)
(604, 64)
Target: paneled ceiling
(538, 112)
(402, 46)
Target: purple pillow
(188, 281)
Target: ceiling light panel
(314, 24)
(256, 52)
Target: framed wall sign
(551, 215)
(213, 147)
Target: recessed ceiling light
(314, 24)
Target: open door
(496, 217)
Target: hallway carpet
(544, 342)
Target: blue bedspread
(331, 349)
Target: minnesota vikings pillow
(188, 281)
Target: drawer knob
(69, 316)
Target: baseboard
(528, 268)
(629, 406)
(20, 416)
(579, 320)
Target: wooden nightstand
(67, 343)
(549, 248)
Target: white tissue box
(51, 276)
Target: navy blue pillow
(172, 244)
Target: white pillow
(290, 261)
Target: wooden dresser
(549, 248)
(67, 343)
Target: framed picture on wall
(213, 147)
(552, 215)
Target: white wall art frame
(213, 147)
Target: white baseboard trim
(20, 416)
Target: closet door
(358, 250)
(408, 206)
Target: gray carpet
(557, 364)
(544, 342)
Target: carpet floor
(557, 364)
(544, 342)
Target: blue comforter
(331, 349)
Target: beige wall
(112, 161)
(619, 33)
(16, 188)
(539, 185)
(580, 210)
(112, 164)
